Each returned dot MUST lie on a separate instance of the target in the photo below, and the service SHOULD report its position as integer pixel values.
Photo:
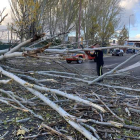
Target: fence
(5, 46)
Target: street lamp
(129, 26)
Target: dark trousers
(99, 69)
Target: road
(109, 63)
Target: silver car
(117, 52)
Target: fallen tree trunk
(36, 37)
(65, 51)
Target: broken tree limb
(22, 100)
(2, 137)
(119, 87)
(35, 136)
(36, 51)
(134, 110)
(121, 119)
(113, 70)
(112, 124)
(56, 132)
(36, 37)
(65, 51)
(60, 76)
(22, 106)
(5, 81)
(10, 55)
(70, 96)
(18, 121)
(69, 118)
(50, 38)
(20, 54)
(132, 106)
(93, 129)
(4, 51)
(6, 102)
(29, 78)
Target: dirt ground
(117, 103)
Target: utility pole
(80, 7)
(8, 32)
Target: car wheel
(68, 61)
(80, 61)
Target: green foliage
(100, 19)
(54, 42)
(123, 36)
(27, 18)
(94, 29)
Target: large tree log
(20, 54)
(4, 51)
(65, 51)
(36, 37)
(10, 55)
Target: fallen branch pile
(97, 111)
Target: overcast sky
(131, 11)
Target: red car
(76, 57)
(89, 57)
(80, 57)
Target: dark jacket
(98, 54)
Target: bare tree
(28, 17)
(1, 15)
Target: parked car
(80, 57)
(117, 52)
(90, 55)
(75, 57)
(129, 51)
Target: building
(135, 43)
(113, 42)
